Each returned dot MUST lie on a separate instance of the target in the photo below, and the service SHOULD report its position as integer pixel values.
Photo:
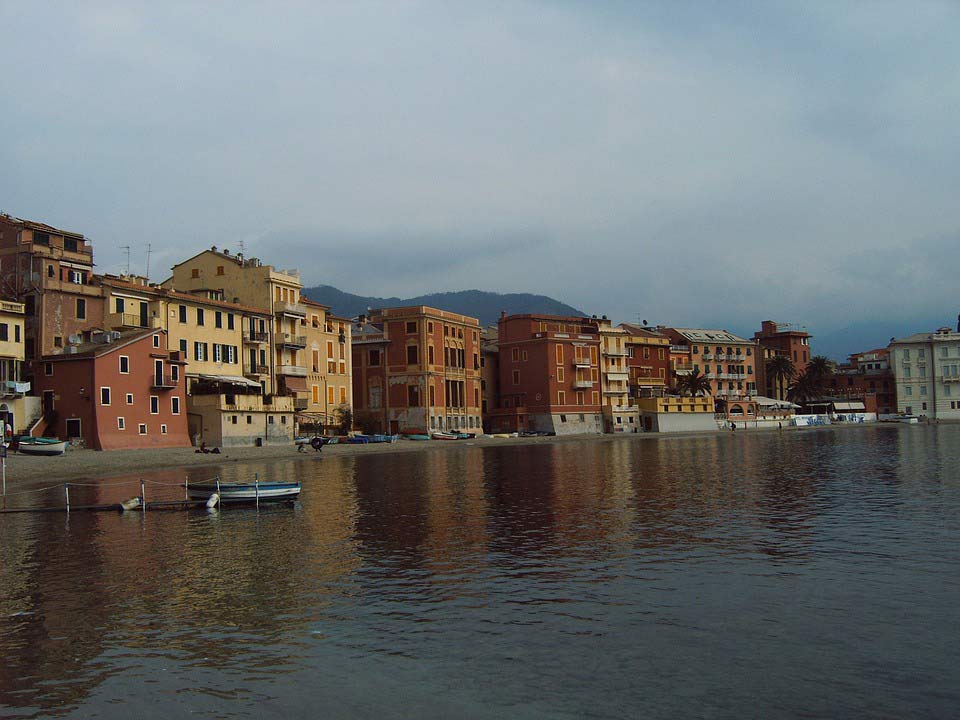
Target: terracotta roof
(43, 227)
(307, 301)
(176, 294)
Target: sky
(688, 163)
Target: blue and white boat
(248, 491)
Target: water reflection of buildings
(195, 587)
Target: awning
(297, 384)
(853, 406)
(231, 379)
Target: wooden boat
(41, 446)
(416, 436)
(358, 439)
(379, 438)
(248, 491)
(440, 435)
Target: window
(156, 341)
(183, 348)
(218, 319)
(413, 396)
(154, 405)
(175, 405)
(16, 333)
(217, 354)
(124, 365)
(81, 309)
(411, 328)
(516, 377)
(219, 269)
(908, 390)
(269, 419)
(175, 373)
(57, 341)
(413, 356)
(200, 351)
(374, 358)
(923, 406)
(343, 394)
(561, 397)
(195, 273)
(142, 428)
(563, 418)
(430, 328)
(430, 358)
(4, 331)
(923, 389)
(229, 321)
(163, 429)
(183, 313)
(104, 396)
(121, 423)
(48, 369)
(330, 397)
(249, 419)
(200, 317)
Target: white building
(926, 368)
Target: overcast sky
(690, 163)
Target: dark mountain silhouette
(485, 306)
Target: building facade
(120, 390)
(415, 370)
(866, 376)
(648, 361)
(790, 341)
(727, 360)
(619, 414)
(549, 374)
(926, 369)
(17, 408)
(329, 398)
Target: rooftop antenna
(126, 249)
(149, 246)
(242, 248)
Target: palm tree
(696, 383)
(806, 387)
(781, 369)
(820, 367)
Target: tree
(806, 387)
(820, 367)
(696, 383)
(781, 370)
(344, 418)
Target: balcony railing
(15, 387)
(301, 403)
(581, 362)
(578, 384)
(618, 376)
(291, 340)
(287, 308)
(163, 382)
(257, 370)
(255, 337)
(613, 352)
(293, 370)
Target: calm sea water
(795, 574)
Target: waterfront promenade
(76, 464)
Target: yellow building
(226, 348)
(619, 415)
(677, 414)
(16, 408)
(275, 292)
(329, 369)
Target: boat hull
(45, 448)
(245, 491)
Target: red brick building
(549, 375)
(416, 370)
(648, 361)
(118, 391)
(51, 272)
(780, 339)
(866, 376)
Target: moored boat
(251, 491)
(41, 446)
(416, 436)
(440, 435)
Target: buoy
(131, 504)
(212, 501)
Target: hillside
(485, 306)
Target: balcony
(682, 368)
(257, 370)
(301, 403)
(290, 340)
(14, 387)
(615, 353)
(618, 376)
(163, 382)
(581, 362)
(615, 392)
(293, 309)
(130, 320)
(708, 356)
(649, 382)
(950, 378)
(581, 384)
(255, 337)
(292, 370)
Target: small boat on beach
(248, 491)
(440, 435)
(416, 436)
(379, 438)
(41, 446)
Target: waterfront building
(17, 408)
(329, 399)
(417, 369)
(489, 374)
(50, 271)
(649, 361)
(671, 413)
(728, 361)
(619, 415)
(868, 377)
(926, 369)
(119, 390)
(549, 374)
(773, 339)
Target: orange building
(727, 360)
(648, 361)
(415, 370)
(549, 375)
(780, 339)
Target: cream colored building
(16, 407)
(677, 414)
(619, 415)
(226, 348)
(329, 366)
(926, 370)
(277, 292)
